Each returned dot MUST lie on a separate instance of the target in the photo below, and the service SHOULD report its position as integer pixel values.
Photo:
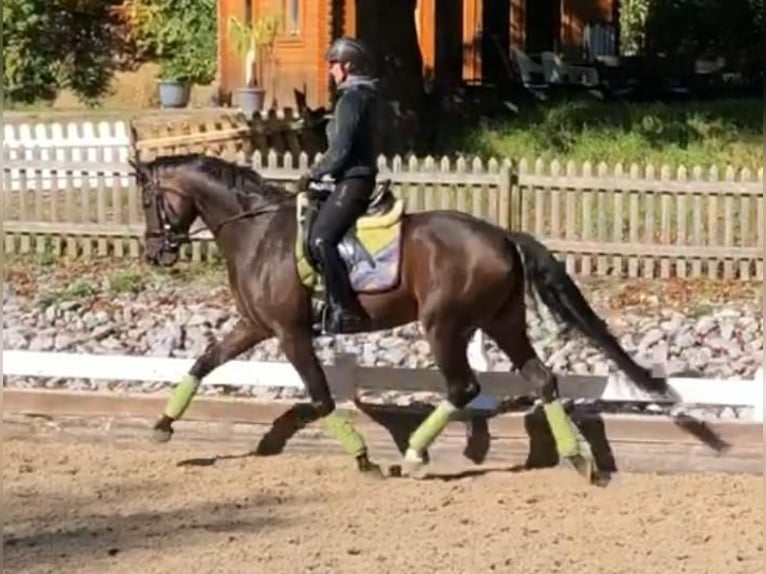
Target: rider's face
(338, 72)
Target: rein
(243, 215)
(171, 238)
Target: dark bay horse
(457, 274)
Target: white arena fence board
(274, 374)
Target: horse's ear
(142, 172)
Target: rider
(350, 162)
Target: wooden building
(460, 40)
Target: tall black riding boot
(344, 313)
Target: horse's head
(216, 190)
(169, 210)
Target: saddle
(382, 202)
(370, 249)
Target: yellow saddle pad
(371, 249)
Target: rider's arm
(348, 114)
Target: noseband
(153, 197)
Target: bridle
(171, 238)
(153, 197)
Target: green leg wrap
(563, 429)
(344, 432)
(430, 428)
(182, 396)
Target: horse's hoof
(368, 468)
(395, 471)
(372, 471)
(413, 465)
(161, 434)
(584, 466)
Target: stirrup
(337, 320)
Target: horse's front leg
(298, 347)
(242, 337)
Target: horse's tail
(548, 277)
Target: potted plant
(254, 43)
(181, 35)
(180, 70)
(173, 86)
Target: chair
(556, 71)
(599, 41)
(529, 69)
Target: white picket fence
(274, 374)
(104, 133)
(98, 142)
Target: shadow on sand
(401, 422)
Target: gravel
(720, 341)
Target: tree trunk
(387, 27)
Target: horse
(452, 272)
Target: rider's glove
(303, 182)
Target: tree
(692, 27)
(181, 34)
(53, 44)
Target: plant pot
(173, 94)
(249, 100)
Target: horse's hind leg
(448, 340)
(509, 331)
(242, 337)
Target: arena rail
(348, 378)
(487, 434)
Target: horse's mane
(239, 179)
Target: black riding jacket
(350, 134)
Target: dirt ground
(98, 508)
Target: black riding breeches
(348, 201)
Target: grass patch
(720, 132)
(130, 281)
(206, 273)
(44, 279)
(79, 289)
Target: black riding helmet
(349, 51)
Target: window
(292, 17)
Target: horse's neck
(214, 202)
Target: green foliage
(692, 27)
(28, 70)
(127, 281)
(633, 15)
(705, 133)
(79, 289)
(54, 44)
(258, 37)
(181, 33)
(192, 65)
(49, 45)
